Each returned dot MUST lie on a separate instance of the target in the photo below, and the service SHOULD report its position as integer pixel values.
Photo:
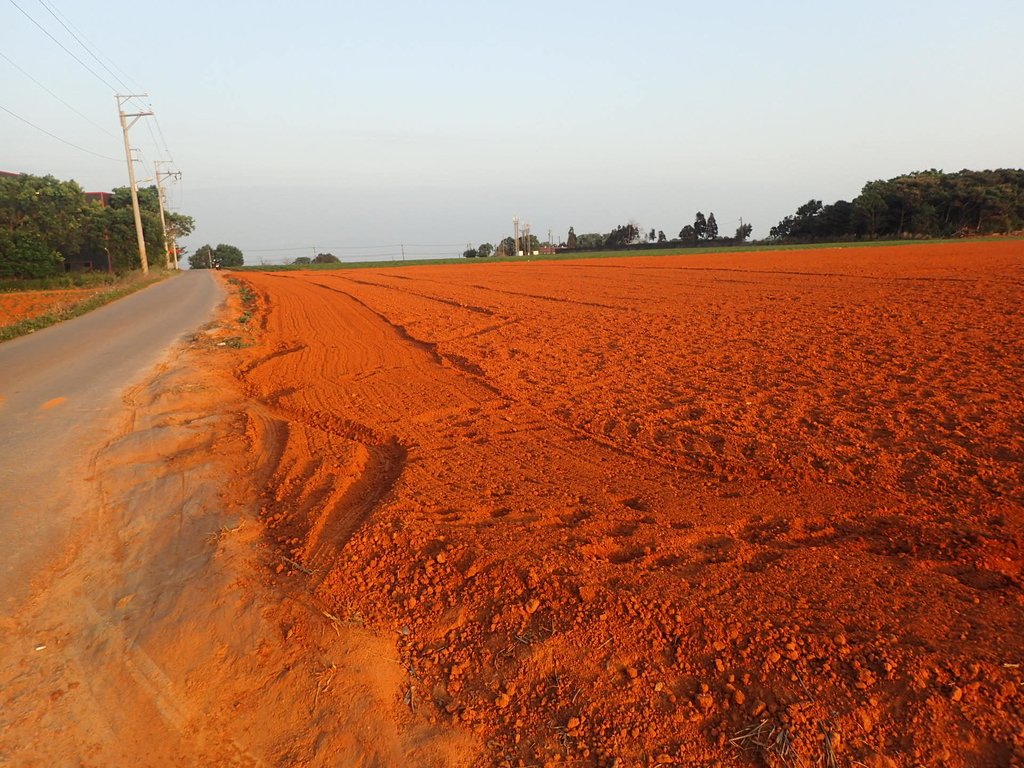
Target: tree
(303, 260)
(220, 257)
(111, 232)
(651, 235)
(712, 230)
(661, 237)
(623, 234)
(323, 258)
(571, 241)
(40, 214)
(700, 226)
(230, 256)
(507, 247)
(43, 221)
(153, 234)
(202, 258)
(688, 234)
(485, 250)
(920, 204)
(590, 241)
(27, 256)
(469, 253)
(179, 225)
(743, 232)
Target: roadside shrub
(27, 256)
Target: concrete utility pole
(160, 176)
(125, 125)
(515, 227)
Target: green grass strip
(130, 284)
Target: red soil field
(739, 509)
(15, 307)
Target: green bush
(28, 256)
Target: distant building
(103, 198)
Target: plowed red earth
(23, 305)
(759, 508)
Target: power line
(94, 46)
(54, 136)
(84, 46)
(85, 66)
(89, 69)
(152, 136)
(160, 130)
(58, 98)
(162, 144)
(70, 53)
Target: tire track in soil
(551, 420)
(333, 472)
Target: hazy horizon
(336, 127)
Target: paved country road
(59, 387)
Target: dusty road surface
(59, 389)
(717, 510)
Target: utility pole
(515, 227)
(160, 176)
(125, 125)
(403, 251)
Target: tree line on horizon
(45, 221)
(922, 204)
(703, 230)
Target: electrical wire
(145, 165)
(58, 98)
(88, 48)
(133, 85)
(152, 136)
(84, 46)
(54, 136)
(163, 139)
(89, 69)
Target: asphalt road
(59, 389)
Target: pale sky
(341, 125)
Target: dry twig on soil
(771, 740)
